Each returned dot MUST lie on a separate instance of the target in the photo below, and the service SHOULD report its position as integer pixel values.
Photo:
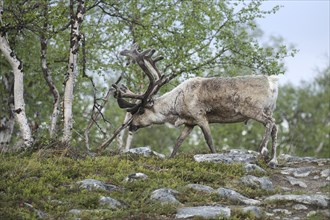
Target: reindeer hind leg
(268, 122)
(207, 135)
(273, 162)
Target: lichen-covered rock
(255, 211)
(206, 212)
(92, 184)
(296, 182)
(258, 182)
(236, 197)
(145, 151)
(200, 187)
(165, 196)
(282, 211)
(75, 211)
(316, 200)
(231, 156)
(253, 167)
(325, 173)
(299, 207)
(298, 172)
(288, 159)
(136, 176)
(110, 202)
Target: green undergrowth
(49, 185)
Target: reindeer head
(141, 104)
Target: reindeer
(200, 101)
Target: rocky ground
(143, 184)
(297, 189)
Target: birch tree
(7, 119)
(47, 74)
(17, 67)
(76, 20)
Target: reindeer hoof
(272, 164)
(264, 152)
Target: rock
(40, 214)
(285, 189)
(231, 156)
(325, 173)
(236, 197)
(253, 210)
(295, 182)
(165, 196)
(257, 182)
(288, 159)
(252, 168)
(206, 212)
(298, 172)
(311, 213)
(110, 202)
(75, 211)
(92, 184)
(282, 211)
(317, 200)
(90, 211)
(145, 151)
(136, 176)
(200, 187)
(299, 207)
(316, 177)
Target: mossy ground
(48, 183)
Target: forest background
(68, 53)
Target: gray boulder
(253, 168)
(288, 159)
(257, 182)
(236, 197)
(165, 196)
(92, 184)
(145, 151)
(316, 200)
(296, 182)
(231, 156)
(136, 176)
(325, 173)
(200, 187)
(206, 212)
(253, 210)
(110, 202)
(298, 172)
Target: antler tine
(158, 59)
(148, 65)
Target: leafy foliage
(197, 38)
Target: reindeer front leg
(185, 132)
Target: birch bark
(76, 20)
(19, 104)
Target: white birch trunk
(121, 136)
(19, 103)
(72, 70)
